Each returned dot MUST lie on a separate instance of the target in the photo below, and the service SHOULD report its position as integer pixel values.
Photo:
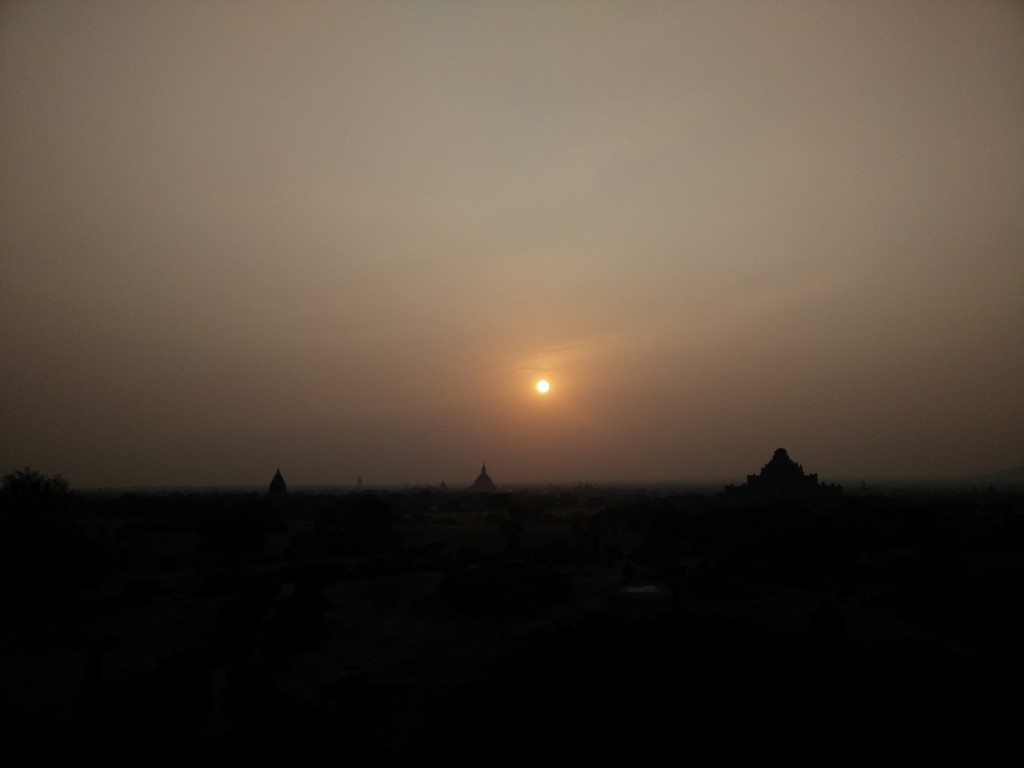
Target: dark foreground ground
(583, 624)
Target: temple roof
(483, 481)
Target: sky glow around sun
(352, 238)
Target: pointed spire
(277, 485)
(483, 482)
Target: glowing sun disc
(543, 386)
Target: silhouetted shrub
(164, 715)
(504, 586)
(299, 624)
(267, 727)
(41, 543)
(232, 535)
(240, 618)
(356, 708)
(986, 609)
(357, 525)
(29, 482)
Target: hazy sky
(346, 239)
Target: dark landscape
(402, 626)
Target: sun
(543, 386)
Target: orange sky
(346, 239)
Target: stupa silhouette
(277, 485)
(483, 483)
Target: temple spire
(277, 485)
(483, 483)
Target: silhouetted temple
(277, 485)
(782, 478)
(483, 483)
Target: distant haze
(347, 238)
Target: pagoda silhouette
(782, 479)
(278, 485)
(483, 482)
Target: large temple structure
(483, 482)
(783, 479)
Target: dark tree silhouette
(29, 482)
